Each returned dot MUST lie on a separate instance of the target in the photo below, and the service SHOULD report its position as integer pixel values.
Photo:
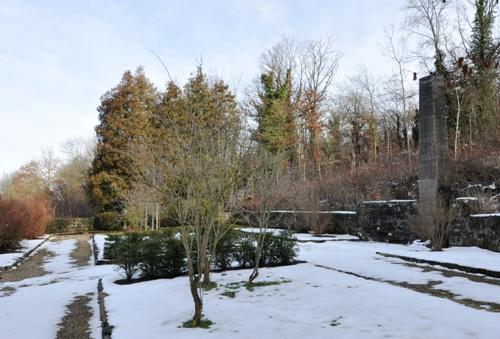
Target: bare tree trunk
(353, 160)
(255, 273)
(198, 303)
(405, 113)
(457, 130)
(157, 216)
(258, 254)
(206, 270)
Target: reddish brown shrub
(21, 220)
(40, 217)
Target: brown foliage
(478, 165)
(21, 220)
(387, 178)
(308, 199)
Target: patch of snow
(465, 256)
(467, 198)
(394, 201)
(60, 262)
(313, 212)
(486, 215)
(303, 236)
(312, 237)
(274, 231)
(95, 321)
(99, 240)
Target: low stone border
(24, 256)
(106, 328)
(468, 269)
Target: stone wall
(391, 221)
(472, 229)
(374, 220)
(387, 221)
(338, 222)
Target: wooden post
(157, 216)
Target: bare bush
(435, 227)
(308, 200)
(265, 191)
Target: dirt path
(81, 255)
(76, 322)
(30, 268)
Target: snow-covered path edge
(23, 255)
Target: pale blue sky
(58, 57)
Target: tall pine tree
(124, 118)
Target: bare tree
(48, 166)
(369, 86)
(265, 190)
(140, 205)
(398, 55)
(427, 20)
(352, 105)
(319, 63)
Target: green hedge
(277, 249)
(161, 254)
(150, 254)
(69, 225)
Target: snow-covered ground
(345, 290)
(99, 240)
(361, 258)
(315, 303)
(36, 305)
(465, 256)
(303, 236)
(7, 259)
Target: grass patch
(207, 286)
(204, 323)
(229, 294)
(251, 286)
(234, 285)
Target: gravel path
(75, 323)
(30, 268)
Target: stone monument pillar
(434, 177)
